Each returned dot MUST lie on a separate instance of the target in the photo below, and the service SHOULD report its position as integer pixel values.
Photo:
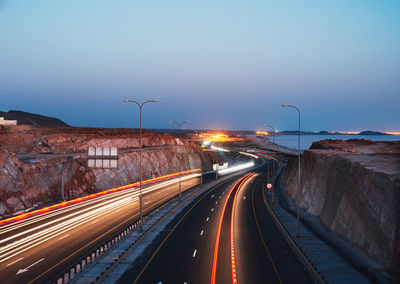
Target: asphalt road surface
(225, 236)
(37, 249)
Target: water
(291, 141)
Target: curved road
(226, 236)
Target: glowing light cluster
(91, 196)
(259, 132)
(345, 132)
(218, 137)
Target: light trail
(91, 196)
(68, 223)
(217, 239)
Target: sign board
(269, 185)
(103, 157)
(220, 167)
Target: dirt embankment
(354, 188)
(26, 183)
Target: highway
(225, 236)
(38, 248)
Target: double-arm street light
(140, 105)
(273, 133)
(179, 124)
(298, 173)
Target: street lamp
(180, 124)
(273, 133)
(298, 172)
(140, 159)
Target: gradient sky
(220, 64)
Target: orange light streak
(216, 246)
(91, 196)
(233, 258)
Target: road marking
(166, 238)
(212, 209)
(212, 196)
(147, 202)
(244, 197)
(11, 263)
(63, 237)
(99, 220)
(194, 253)
(201, 233)
(217, 239)
(216, 202)
(261, 236)
(208, 218)
(27, 268)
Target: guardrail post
(78, 268)
(60, 280)
(72, 272)
(66, 277)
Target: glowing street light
(140, 105)
(180, 124)
(273, 133)
(298, 173)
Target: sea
(291, 141)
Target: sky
(222, 64)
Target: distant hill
(27, 118)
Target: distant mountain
(369, 132)
(27, 118)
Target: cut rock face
(354, 188)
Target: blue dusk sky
(218, 63)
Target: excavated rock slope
(25, 183)
(354, 188)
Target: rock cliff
(353, 187)
(33, 180)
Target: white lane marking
(212, 209)
(216, 202)
(27, 268)
(207, 219)
(201, 233)
(11, 263)
(212, 196)
(194, 253)
(63, 237)
(244, 197)
(148, 201)
(99, 220)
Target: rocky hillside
(354, 189)
(29, 181)
(26, 118)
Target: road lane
(72, 234)
(171, 257)
(231, 223)
(262, 255)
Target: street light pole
(298, 172)
(273, 133)
(140, 155)
(179, 153)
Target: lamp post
(273, 133)
(180, 124)
(140, 105)
(298, 171)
